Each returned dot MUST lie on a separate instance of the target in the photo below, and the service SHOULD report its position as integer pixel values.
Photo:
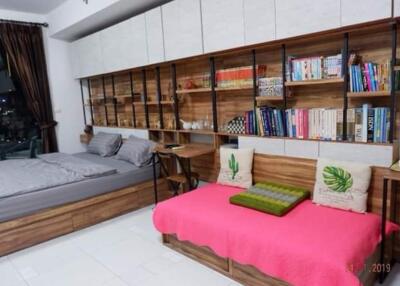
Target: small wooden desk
(391, 176)
(188, 152)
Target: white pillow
(342, 185)
(236, 166)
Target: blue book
(372, 76)
(383, 125)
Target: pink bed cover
(311, 245)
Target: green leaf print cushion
(342, 185)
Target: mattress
(310, 246)
(127, 175)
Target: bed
(30, 216)
(311, 245)
(126, 175)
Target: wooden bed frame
(246, 274)
(46, 224)
(292, 171)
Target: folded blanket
(271, 198)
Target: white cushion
(342, 185)
(236, 166)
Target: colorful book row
(312, 68)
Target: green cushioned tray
(271, 198)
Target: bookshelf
(160, 97)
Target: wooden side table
(391, 177)
(188, 152)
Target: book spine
(371, 120)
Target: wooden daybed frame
(294, 171)
(46, 224)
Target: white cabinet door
(359, 11)
(89, 53)
(396, 7)
(294, 17)
(155, 37)
(182, 29)
(124, 45)
(259, 21)
(223, 24)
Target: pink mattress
(311, 245)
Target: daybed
(311, 245)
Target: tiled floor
(125, 251)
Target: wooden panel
(367, 10)
(259, 21)
(249, 275)
(33, 233)
(223, 26)
(49, 223)
(182, 29)
(155, 37)
(294, 18)
(203, 254)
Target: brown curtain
(24, 47)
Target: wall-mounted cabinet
(155, 36)
(367, 10)
(87, 54)
(259, 21)
(124, 45)
(182, 29)
(295, 17)
(396, 7)
(223, 24)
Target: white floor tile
(82, 272)
(9, 275)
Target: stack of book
(250, 123)
(368, 76)
(367, 124)
(238, 77)
(315, 123)
(312, 68)
(270, 86)
(271, 122)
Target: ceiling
(31, 6)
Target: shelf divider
(146, 110)
(213, 94)
(105, 99)
(133, 98)
(160, 108)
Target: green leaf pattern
(234, 166)
(337, 179)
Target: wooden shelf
(314, 82)
(269, 98)
(195, 90)
(397, 68)
(233, 88)
(123, 96)
(369, 94)
(164, 102)
(196, 131)
(136, 103)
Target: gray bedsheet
(127, 174)
(50, 170)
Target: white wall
(21, 16)
(66, 99)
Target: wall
(65, 91)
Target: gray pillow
(136, 151)
(105, 144)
